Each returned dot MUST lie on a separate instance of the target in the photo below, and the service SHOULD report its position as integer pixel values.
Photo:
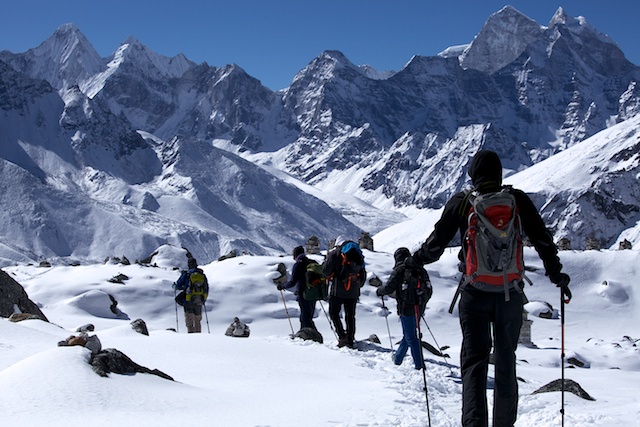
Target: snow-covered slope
(591, 189)
(253, 381)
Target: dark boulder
(569, 385)
(13, 294)
(114, 361)
(140, 327)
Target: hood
(485, 170)
(400, 255)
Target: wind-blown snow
(269, 379)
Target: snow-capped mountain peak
(65, 59)
(501, 40)
(134, 51)
(577, 25)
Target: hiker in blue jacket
(299, 281)
(195, 285)
(412, 290)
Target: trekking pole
(287, 311)
(562, 303)
(386, 319)
(206, 316)
(424, 366)
(175, 294)
(329, 320)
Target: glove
(174, 286)
(562, 280)
(374, 281)
(280, 287)
(379, 292)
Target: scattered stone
(86, 328)
(576, 362)
(237, 329)
(120, 278)
(366, 241)
(44, 264)
(114, 361)
(92, 342)
(19, 317)
(593, 244)
(231, 254)
(625, 245)
(569, 385)
(140, 327)
(313, 245)
(547, 314)
(564, 244)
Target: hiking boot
(343, 342)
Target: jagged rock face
(503, 38)
(12, 295)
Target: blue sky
(273, 39)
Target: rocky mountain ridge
(395, 140)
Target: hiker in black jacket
(412, 290)
(482, 310)
(345, 270)
(299, 281)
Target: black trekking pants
(335, 305)
(480, 312)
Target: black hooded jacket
(400, 276)
(485, 171)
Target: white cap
(340, 240)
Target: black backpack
(416, 289)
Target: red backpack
(493, 242)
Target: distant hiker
(195, 287)
(299, 281)
(344, 268)
(487, 308)
(412, 291)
